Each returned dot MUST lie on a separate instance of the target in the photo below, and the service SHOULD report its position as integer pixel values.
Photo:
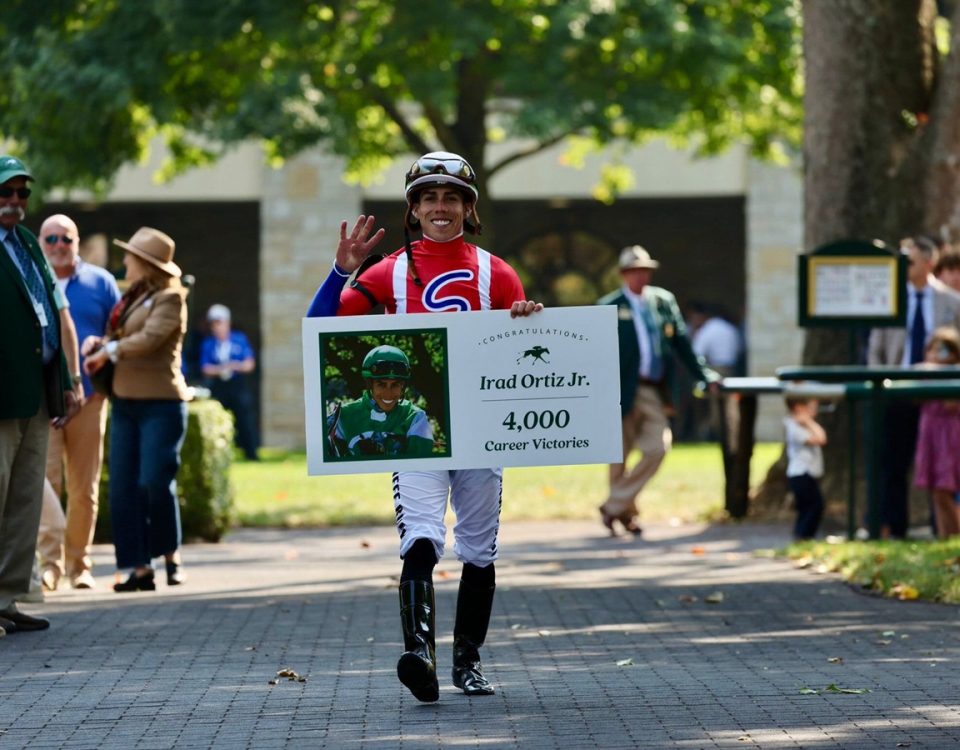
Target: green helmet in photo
(384, 362)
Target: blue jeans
(145, 441)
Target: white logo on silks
(431, 294)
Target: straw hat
(155, 247)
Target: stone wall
(302, 206)
(774, 240)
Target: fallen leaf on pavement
(290, 675)
(833, 688)
(698, 550)
(365, 544)
(905, 592)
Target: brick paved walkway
(594, 643)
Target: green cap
(10, 167)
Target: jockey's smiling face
(387, 392)
(441, 210)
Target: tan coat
(149, 347)
(887, 344)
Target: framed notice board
(852, 283)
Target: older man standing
(651, 330)
(92, 293)
(36, 387)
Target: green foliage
(206, 493)
(90, 81)
(898, 569)
(204, 485)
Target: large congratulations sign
(469, 390)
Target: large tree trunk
(943, 176)
(869, 74)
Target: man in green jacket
(651, 330)
(36, 387)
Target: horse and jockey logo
(535, 354)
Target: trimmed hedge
(203, 482)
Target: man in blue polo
(92, 292)
(36, 387)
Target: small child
(937, 461)
(804, 438)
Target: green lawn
(276, 491)
(904, 570)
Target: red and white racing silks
(456, 277)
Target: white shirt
(637, 303)
(718, 342)
(801, 458)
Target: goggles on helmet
(452, 165)
(441, 168)
(389, 368)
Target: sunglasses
(22, 193)
(386, 369)
(452, 167)
(52, 239)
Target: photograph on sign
(472, 390)
(385, 395)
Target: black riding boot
(417, 668)
(474, 604)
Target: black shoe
(467, 674)
(15, 621)
(137, 583)
(417, 667)
(175, 574)
(630, 525)
(608, 520)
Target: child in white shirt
(804, 438)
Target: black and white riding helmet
(443, 168)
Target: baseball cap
(636, 257)
(10, 167)
(218, 312)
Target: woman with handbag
(148, 418)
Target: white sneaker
(84, 580)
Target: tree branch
(445, 133)
(411, 136)
(530, 151)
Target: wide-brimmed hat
(636, 257)
(10, 167)
(155, 247)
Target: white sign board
(494, 390)
(853, 286)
